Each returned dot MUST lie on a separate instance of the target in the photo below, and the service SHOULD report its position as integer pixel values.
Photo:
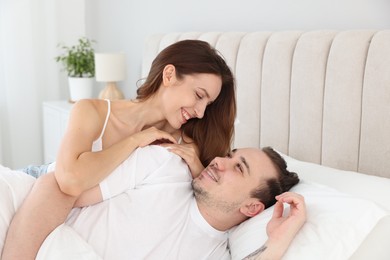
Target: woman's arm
(78, 168)
(282, 230)
(89, 197)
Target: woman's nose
(199, 109)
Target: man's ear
(169, 74)
(252, 207)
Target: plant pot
(80, 88)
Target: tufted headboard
(318, 96)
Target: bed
(321, 99)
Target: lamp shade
(110, 67)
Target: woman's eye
(198, 96)
(229, 155)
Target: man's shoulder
(159, 161)
(152, 154)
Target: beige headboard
(318, 96)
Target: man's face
(227, 182)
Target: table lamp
(110, 68)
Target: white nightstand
(55, 120)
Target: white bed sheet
(14, 187)
(62, 244)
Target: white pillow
(336, 224)
(360, 185)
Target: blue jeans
(35, 170)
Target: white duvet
(63, 243)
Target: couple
(189, 90)
(149, 210)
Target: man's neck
(217, 219)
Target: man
(150, 211)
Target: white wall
(32, 29)
(124, 25)
(21, 82)
(29, 75)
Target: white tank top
(97, 145)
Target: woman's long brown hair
(213, 134)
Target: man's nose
(220, 163)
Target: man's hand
(281, 229)
(287, 226)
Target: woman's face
(188, 97)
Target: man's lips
(211, 174)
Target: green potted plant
(78, 62)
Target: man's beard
(204, 197)
(199, 193)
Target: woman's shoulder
(89, 112)
(94, 102)
(91, 105)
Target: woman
(184, 79)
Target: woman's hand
(152, 135)
(189, 153)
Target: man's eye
(229, 155)
(239, 166)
